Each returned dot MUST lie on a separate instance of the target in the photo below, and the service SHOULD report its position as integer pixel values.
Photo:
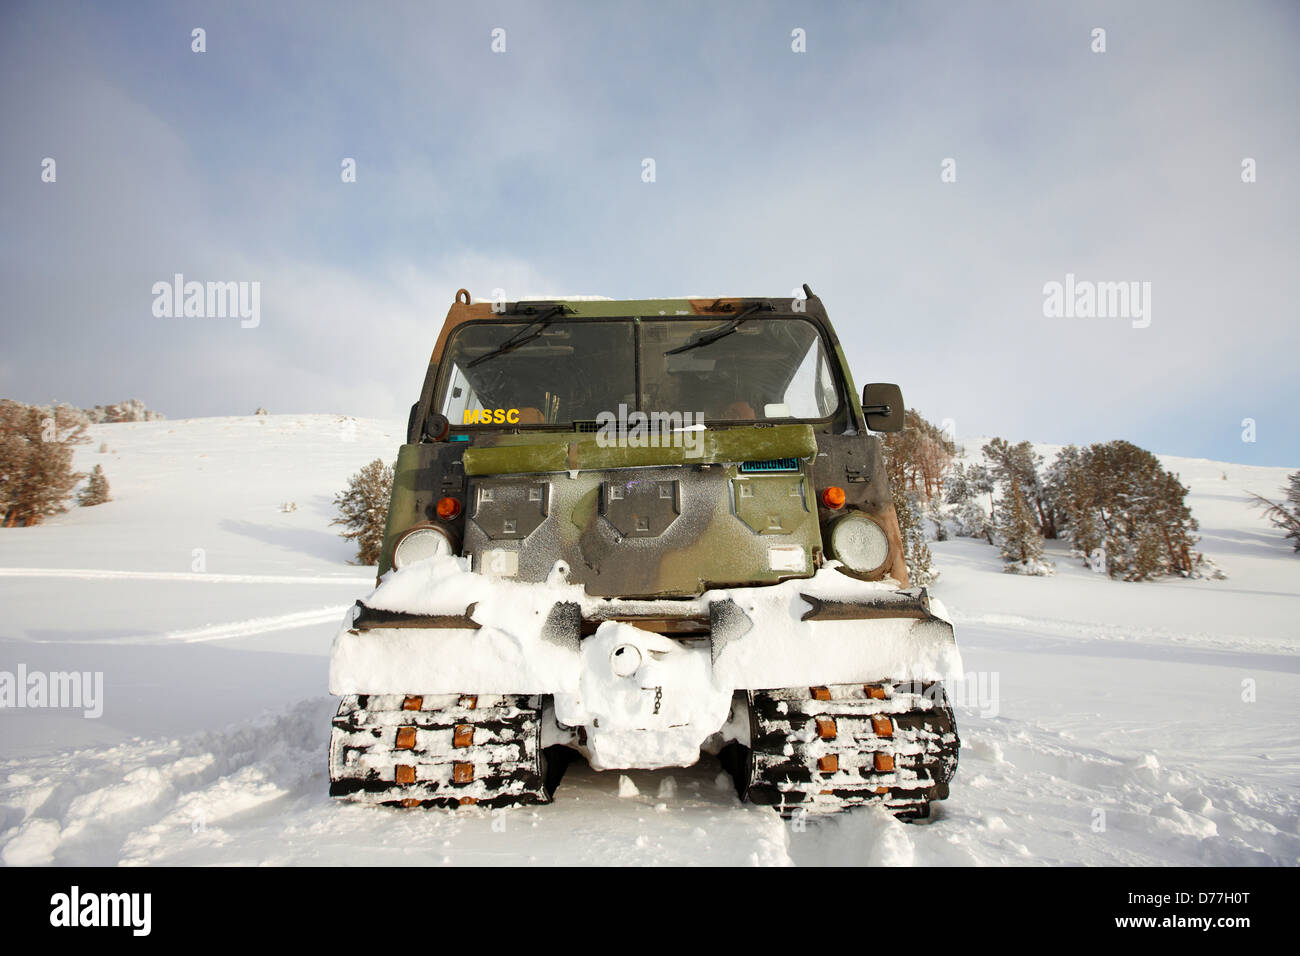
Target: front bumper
(649, 682)
(437, 627)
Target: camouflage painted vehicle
(641, 531)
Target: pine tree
(918, 457)
(1069, 486)
(957, 487)
(960, 490)
(1285, 514)
(934, 512)
(96, 490)
(1020, 461)
(36, 476)
(981, 482)
(1022, 544)
(363, 509)
(917, 460)
(911, 525)
(1117, 497)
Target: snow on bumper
(526, 638)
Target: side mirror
(882, 404)
(435, 427)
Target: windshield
(764, 370)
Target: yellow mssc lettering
(491, 416)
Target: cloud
(521, 171)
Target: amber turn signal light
(833, 497)
(448, 508)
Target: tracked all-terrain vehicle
(641, 531)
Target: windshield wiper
(709, 336)
(523, 336)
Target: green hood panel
(540, 453)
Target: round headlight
(419, 544)
(860, 543)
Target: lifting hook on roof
(465, 293)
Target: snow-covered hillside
(1102, 722)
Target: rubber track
(453, 750)
(829, 755)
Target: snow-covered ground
(1102, 722)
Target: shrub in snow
(1038, 568)
(363, 509)
(131, 410)
(1285, 514)
(36, 476)
(96, 490)
(970, 520)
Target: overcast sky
(523, 170)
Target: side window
(460, 397)
(826, 397)
(811, 392)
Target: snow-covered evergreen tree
(967, 514)
(1018, 534)
(917, 461)
(911, 525)
(981, 481)
(1020, 462)
(1070, 488)
(957, 489)
(934, 514)
(1116, 498)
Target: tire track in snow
(254, 625)
(1136, 634)
(202, 576)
